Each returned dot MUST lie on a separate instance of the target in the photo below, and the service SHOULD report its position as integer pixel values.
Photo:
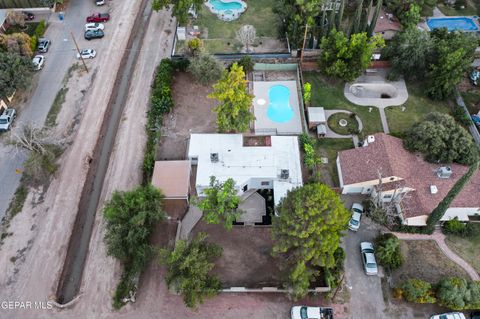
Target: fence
(275, 67)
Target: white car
(87, 54)
(94, 26)
(357, 211)
(449, 315)
(38, 62)
(99, 2)
(304, 312)
(368, 258)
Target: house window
(245, 188)
(265, 183)
(387, 196)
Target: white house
(258, 162)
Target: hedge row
(39, 31)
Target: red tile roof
(388, 156)
(469, 196)
(385, 22)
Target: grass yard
(329, 148)
(470, 9)
(329, 95)
(467, 248)
(350, 128)
(417, 106)
(424, 260)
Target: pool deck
(263, 124)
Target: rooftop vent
(444, 172)
(433, 189)
(214, 157)
(284, 174)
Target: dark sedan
(93, 34)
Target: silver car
(38, 62)
(449, 315)
(368, 258)
(94, 26)
(357, 211)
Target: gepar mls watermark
(28, 305)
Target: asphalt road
(58, 59)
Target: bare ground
(192, 114)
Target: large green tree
(452, 56)
(220, 203)
(442, 140)
(408, 53)
(347, 58)
(307, 233)
(188, 269)
(15, 72)
(179, 7)
(233, 112)
(458, 293)
(205, 68)
(388, 251)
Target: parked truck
(6, 119)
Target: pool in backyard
(227, 10)
(276, 107)
(454, 23)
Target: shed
(173, 179)
(321, 130)
(316, 116)
(181, 33)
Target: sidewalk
(439, 238)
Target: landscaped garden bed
(343, 123)
(467, 247)
(329, 148)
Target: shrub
(194, 47)
(310, 157)
(388, 251)
(419, 291)
(456, 227)
(40, 29)
(458, 294)
(247, 63)
(205, 68)
(460, 116)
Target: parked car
(98, 17)
(6, 119)
(449, 315)
(304, 312)
(475, 315)
(43, 44)
(94, 26)
(93, 34)
(99, 2)
(474, 76)
(357, 211)
(87, 54)
(476, 119)
(368, 258)
(38, 62)
(28, 16)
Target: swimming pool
(227, 10)
(222, 6)
(456, 23)
(279, 109)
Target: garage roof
(172, 178)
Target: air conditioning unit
(284, 174)
(433, 189)
(444, 172)
(214, 157)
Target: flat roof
(172, 178)
(316, 115)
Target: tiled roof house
(420, 185)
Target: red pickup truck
(98, 17)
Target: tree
(18, 43)
(418, 291)
(456, 227)
(233, 112)
(356, 24)
(15, 73)
(408, 53)
(246, 35)
(452, 57)
(458, 294)
(179, 8)
(388, 251)
(188, 269)
(376, 14)
(194, 47)
(307, 232)
(347, 58)
(15, 18)
(441, 140)
(246, 63)
(220, 203)
(205, 68)
(307, 93)
(339, 17)
(130, 219)
(411, 18)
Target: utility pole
(303, 45)
(78, 50)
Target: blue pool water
(458, 23)
(279, 109)
(222, 6)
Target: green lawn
(417, 106)
(330, 96)
(467, 248)
(329, 147)
(469, 10)
(333, 123)
(472, 100)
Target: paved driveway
(58, 59)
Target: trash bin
(61, 15)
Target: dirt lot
(246, 259)
(424, 260)
(192, 114)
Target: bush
(40, 29)
(333, 276)
(458, 294)
(33, 42)
(388, 251)
(419, 291)
(456, 227)
(310, 157)
(205, 68)
(247, 63)
(194, 47)
(460, 116)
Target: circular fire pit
(343, 122)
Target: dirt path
(439, 238)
